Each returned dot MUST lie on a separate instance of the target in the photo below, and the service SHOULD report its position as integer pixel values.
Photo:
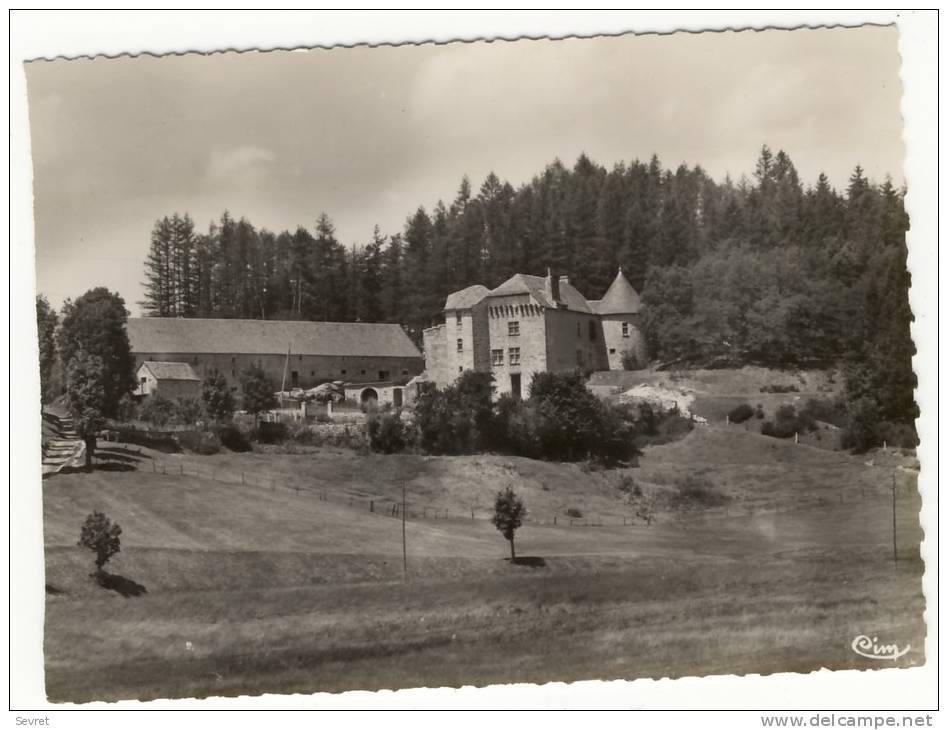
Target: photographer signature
(872, 649)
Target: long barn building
(319, 352)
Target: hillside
(231, 587)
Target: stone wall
(532, 340)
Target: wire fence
(638, 513)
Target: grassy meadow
(266, 572)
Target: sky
(369, 134)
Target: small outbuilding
(168, 379)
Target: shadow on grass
(121, 585)
(529, 561)
(115, 466)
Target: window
(342, 372)
(497, 357)
(144, 380)
(457, 319)
(294, 377)
(514, 355)
(625, 329)
(460, 369)
(579, 357)
(312, 373)
(383, 374)
(404, 372)
(460, 345)
(363, 372)
(579, 329)
(592, 331)
(513, 329)
(612, 351)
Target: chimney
(564, 280)
(553, 287)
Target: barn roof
(267, 337)
(170, 370)
(620, 298)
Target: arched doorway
(369, 396)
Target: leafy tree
(46, 322)
(158, 410)
(86, 398)
(95, 323)
(217, 396)
(100, 535)
(509, 513)
(258, 391)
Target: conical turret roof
(620, 298)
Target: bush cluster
(159, 411)
(233, 437)
(740, 413)
(204, 443)
(788, 421)
(779, 388)
(386, 431)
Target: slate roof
(467, 297)
(170, 370)
(620, 298)
(535, 286)
(267, 337)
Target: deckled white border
(36, 35)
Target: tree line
(764, 270)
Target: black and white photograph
(459, 364)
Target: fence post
(371, 505)
(182, 469)
(472, 513)
(554, 520)
(242, 479)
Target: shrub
(828, 411)
(457, 419)
(573, 512)
(779, 388)
(759, 411)
(740, 413)
(258, 391)
(628, 485)
(127, 409)
(217, 396)
(630, 361)
(386, 431)
(157, 440)
(188, 410)
(787, 423)
(233, 438)
(158, 410)
(900, 435)
(200, 442)
(695, 488)
(271, 432)
(100, 535)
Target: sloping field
(230, 588)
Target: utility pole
(404, 544)
(895, 551)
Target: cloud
(239, 166)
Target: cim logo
(872, 649)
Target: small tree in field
(100, 535)
(509, 513)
